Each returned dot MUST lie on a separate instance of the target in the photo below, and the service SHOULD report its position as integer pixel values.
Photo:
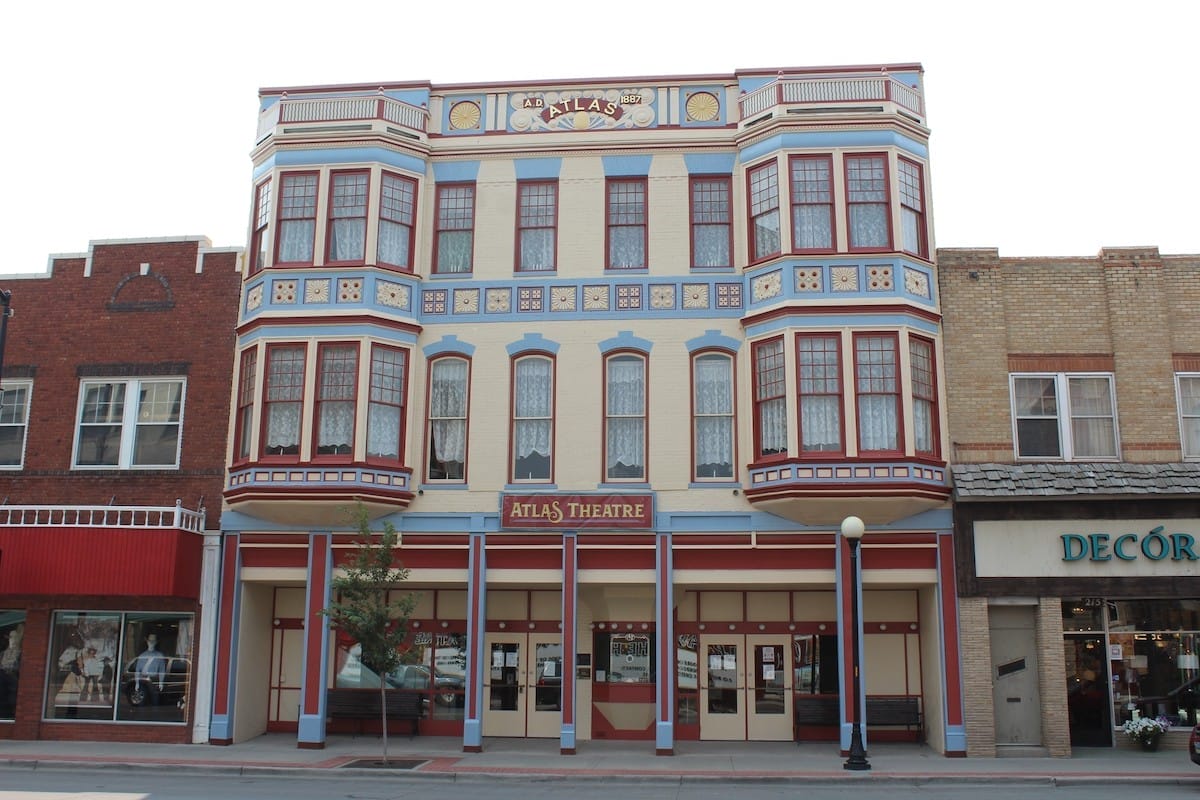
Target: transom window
(537, 218)
(764, 210)
(770, 400)
(385, 407)
(712, 233)
(297, 218)
(1189, 414)
(812, 203)
(867, 202)
(347, 236)
(14, 422)
(455, 228)
(1064, 416)
(283, 397)
(712, 410)
(397, 209)
(819, 366)
(533, 418)
(337, 376)
(130, 424)
(877, 384)
(626, 223)
(447, 433)
(625, 417)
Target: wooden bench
(897, 710)
(825, 711)
(363, 704)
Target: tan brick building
(1073, 393)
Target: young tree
(361, 608)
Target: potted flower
(1146, 731)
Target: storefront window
(687, 680)
(12, 630)
(432, 663)
(624, 658)
(127, 667)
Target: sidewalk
(435, 758)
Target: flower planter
(1150, 745)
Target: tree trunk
(383, 714)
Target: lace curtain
(812, 228)
(710, 246)
(347, 239)
(448, 410)
(537, 249)
(454, 251)
(626, 394)
(393, 243)
(626, 247)
(820, 423)
(296, 240)
(772, 427)
(383, 431)
(532, 394)
(714, 415)
(923, 425)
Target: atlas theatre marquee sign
(577, 511)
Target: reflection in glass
(548, 690)
(505, 680)
(769, 671)
(722, 679)
(12, 632)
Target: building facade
(113, 412)
(615, 357)
(1074, 409)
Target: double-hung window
(397, 210)
(262, 218)
(712, 416)
(283, 398)
(537, 219)
(247, 374)
(455, 228)
(770, 399)
(346, 237)
(447, 434)
(297, 218)
(130, 424)
(867, 202)
(533, 418)
(625, 417)
(764, 211)
(14, 422)
(819, 382)
(914, 236)
(712, 233)
(1189, 413)
(626, 223)
(877, 389)
(1064, 416)
(924, 396)
(812, 203)
(337, 376)
(385, 406)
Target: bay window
(712, 416)
(337, 376)
(455, 228)
(244, 420)
(626, 213)
(297, 218)
(283, 396)
(877, 387)
(770, 403)
(1064, 416)
(262, 218)
(447, 432)
(537, 220)
(914, 237)
(346, 238)
(812, 203)
(625, 417)
(397, 210)
(764, 211)
(867, 202)
(385, 405)
(819, 381)
(712, 232)
(533, 418)
(924, 396)
(130, 423)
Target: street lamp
(853, 529)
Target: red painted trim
(225, 625)
(244, 410)
(751, 243)
(733, 384)
(751, 560)
(950, 637)
(935, 413)
(603, 449)
(834, 311)
(893, 338)
(524, 559)
(512, 414)
(284, 179)
(404, 354)
(609, 185)
(274, 557)
(314, 644)
(299, 539)
(382, 323)
(415, 188)
(569, 587)
(274, 350)
(845, 580)
(913, 490)
(475, 646)
(322, 349)
(616, 559)
(897, 559)
(757, 350)
(433, 362)
(437, 225)
(329, 210)
(666, 648)
(887, 201)
(923, 225)
(793, 160)
(727, 182)
(840, 395)
(521, 186)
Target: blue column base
(847, 731)
(220, 727)
(472, 733)
(664, 736)
(566, 738)
(956, 739)
(311, 730)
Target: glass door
(722, 686)
(504, 685)
(769, 688)
(1089, 691)
(545, 686)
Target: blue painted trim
(825, 321)
(715, 485)
(530, 488)
(533, 341)
(619, 487)
(625, 340)
(378, 333)
(312, 727)
(445, 487)
(713, 339)
(664, 587)
(626, 166)
(285, 159)
(532, 169)
(833, 140)
(455, 171)
(448, 344)
(710, 163)
(477, 638)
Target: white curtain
(626, 394)
(626, 247)
(820, 423)
(532, 402)
(1093, 428)
(714, 415)
(710, 246)
(448, 410)
(393, 243)
(283, 425)
(454, 251)
(877, 425)
(772, 427)
(923, 425)
(347, 239)
(537, 249)
(296, 240)
(766, 234)
(183, 640)
(383, 431)
(811, 228)
(868, 225)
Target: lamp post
(853, 529)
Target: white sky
(1059, 126)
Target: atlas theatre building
(616, 357)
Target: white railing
(831, 89)
(342, 109)
(148, 517)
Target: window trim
(752, 217)
(897, 395)
(758, 401)
(411, 224)
(405, 375)
(244, 401)
(522, 186)
(644, 415)
(1179, 378)
(830, 206)
(889, 245)
(9, 385)
(267, 403)
(610, 227)
(129, 423)
(731, 361)
(439, 229)
(332, 206)
(922, 250)
(934, 408)
(261, 220)
(429, 420)
(727, 183)
(281, 221)
(513, 419)
(323, 348)
(1063, 416)
(839, 356)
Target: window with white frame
(385, 406)
(1067, 416)
(14, 422)
(712, 234)
(712, 416)
(877, 390)
(130, 423)
(819, 381)
(297, 218)
(447, 434)
(764, 210)
(347, 233)
(770, 399)
(1189, 413)
(625, 417)
(337, 377)
(283, 399)
(533, 418)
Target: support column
(225, 660)
(956, 731)
(847, 587)
(476, 642)
(570, 603)
(311, 735)
(664, 622)
(202, 677)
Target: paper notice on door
(714, 661)
(768, 655)
(510, 659)
(768, 672)
(729, 661)
(497, 658)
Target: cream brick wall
(975, 647)
(1052, 680)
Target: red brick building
(113, 418)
